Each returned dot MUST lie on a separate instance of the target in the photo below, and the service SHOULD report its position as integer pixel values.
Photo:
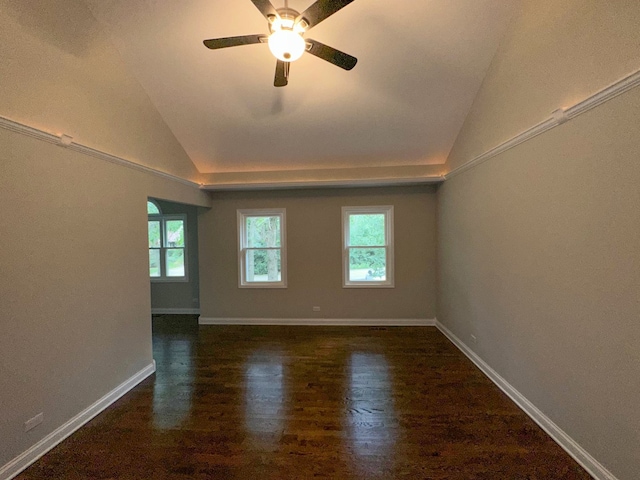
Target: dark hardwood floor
(308, 402)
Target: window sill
(263, 285)
(368, 285)
(169, 280)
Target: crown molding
(343, 183)
(65, 141)
(558, 117)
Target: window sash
(385, 249)
(385, 233)
(165, 237)
(246, 252)
(167, 251)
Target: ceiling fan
(286, 40)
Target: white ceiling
(420, 64)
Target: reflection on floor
(308, 402)
(364, 419)
(263, 398)
(172, 399)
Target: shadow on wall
(66, 25)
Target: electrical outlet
(33, 422)
(316, 309)
(474, 339)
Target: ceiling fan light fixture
(287, 45)
(287, 28)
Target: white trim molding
(329, 322)
(579, 454)
(22, 461)
(66, 141)
(558, 117)
(175, 311)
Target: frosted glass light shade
(286, 45)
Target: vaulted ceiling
(420, 65)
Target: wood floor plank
(282, 402)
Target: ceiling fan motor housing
(287, 21)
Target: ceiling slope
(61, 74)
(420, 64)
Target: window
(262, 254)
(367, 238)
(153, 208)
(167, 245)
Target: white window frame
(163, 218)
(242, 215)
(387, 211)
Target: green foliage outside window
(174, 233)
(264, 232)
(367, 230)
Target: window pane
(174, 234)
(367, 264)
(175, 262)
(154, 262)
(154, 234)
(263, 232)
(366, 230)
(263, 266)
(152, 209)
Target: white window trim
(389, 282)
(162, 218)
(262, 212)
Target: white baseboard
(175, 311)
(22, 461)
(579, 454)
(342, 322)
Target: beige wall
(539, 252)
(315, 257)
(555, 54)
(74, 288)
(61, 74)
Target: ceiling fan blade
(216, 43)
(282, 74)
(330, 54)
(266, 8)
(321, 10)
